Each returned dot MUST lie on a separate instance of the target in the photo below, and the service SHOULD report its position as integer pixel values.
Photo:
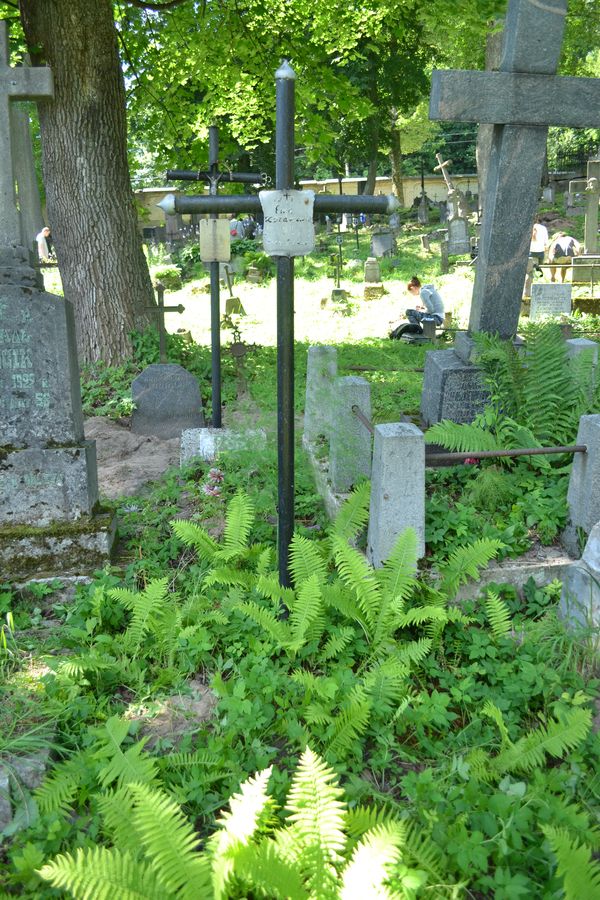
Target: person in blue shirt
(431, 304)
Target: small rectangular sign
(215, 241)
(289, 228)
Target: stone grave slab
(458, 237)
(586, 269)
(549, 300)
(167, 401)
(452, 389)
(383, 243)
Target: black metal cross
(284, 182)
(213, 177)
(159, 310)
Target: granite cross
(591, 188)
(21, 83)
(214, 176)
(160, 309)
(521, 100)
(288, 232)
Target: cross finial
(21, 83)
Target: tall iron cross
(213, 177)
(521, 100)
(21, 83)
(159, 310)
(288, 216)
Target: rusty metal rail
(460, 456)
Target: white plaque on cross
(21, 83)
(289, 228)
(215, 240)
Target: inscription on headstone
(451, 389)
(549, 300)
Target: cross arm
(514, 98)
(239, 177)
(384, 204)
(30, 83)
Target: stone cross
(591, 187)
(22, 83)
(521, 100)
(455, 198)
(159, 310)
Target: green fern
(581, 876)
(351, 722)
(498, 615)
(306, 615)
(124, 767)
(359, 576)
(465, 563)
(555, 739)
(354, 514)
(278, 631)
(372, 862)
(238, 523)
(104, 874)
(193, 535)
(306, 561)
(145, 607)
(337, 643)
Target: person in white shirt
(42, 243)
(539, 239)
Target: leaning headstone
(321, 371)
(49, 522)
(452, 389)
(549, 300)
(549, 193)
(383, 243)
(583, 496)
(458, 237)
(580, 597)
(350, 440)
(166, 401)
(397, 489)
(577, 346)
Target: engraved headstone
(452, 389)
(549, 300)
(215, 240)
(49, 523)
(166, 401)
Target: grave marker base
(452, 389)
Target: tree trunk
(396, 160)
(373, 149)
(84, 160)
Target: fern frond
(306, 561)
(386, 682)
(414, 652)
(336, 597)
(170, 843)
(279, 631)
(351, 722)
(581, 876)
(317, 814)
(498, 615)
(307, 611)
(202, 758)
(237, 825)
(238, 522)
(124, 767)
(337, 642)
(463, 437)
(361, 819)
(59, 789)
(316, 714)
(359, 576)
(76, 666)
(490, 710)
(268, 586)
(418, 615)
(262, 869)
(193, 535)
(398, 576)
(326, 688)
(354, 514)
(227, 575)
(465, 563)
(371, 863)
(145, 607)
(116, 809)
(555, 739)
(425, 854)
(104, 874)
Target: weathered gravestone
(458, 228)
(549, 300)
(49, 521)
(458, 237)
(166, 400)
(521, 100)
(591, 193)
(383, 243)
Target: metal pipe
(215, 290)
(190, 175)
(362, 418)
(250, 203)
(492, 454)
(284, 180)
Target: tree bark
(373, 150)
(84, 161)
(396, 159)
